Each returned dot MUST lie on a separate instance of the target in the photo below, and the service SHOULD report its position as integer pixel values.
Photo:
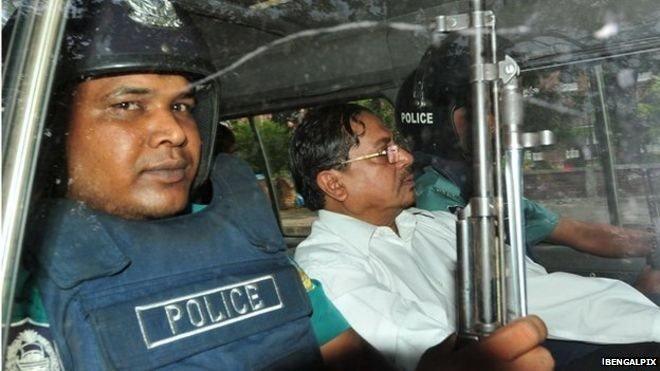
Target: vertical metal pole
(608, 160)
(28, 76)
(482, 216)
(499, 192)
(514, 256)
(464, 270)
(269, 173)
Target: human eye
(183, 107)
(126, 106)
(186, 104)
(385, 148)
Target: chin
(164, 210)
(143, 212)
(409, 200)
(156, 207)
(159, 203)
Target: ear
(460, 118)
(461, 126)
(330, 182)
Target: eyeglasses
(392, 153)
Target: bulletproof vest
(210, 290)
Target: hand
(514, 347)
(648, 281)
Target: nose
(405, 158)
(166, 129)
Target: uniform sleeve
(327, 321)
(401, 329)
(539, 222)
(29, 329)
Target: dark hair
(322, 142)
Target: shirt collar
(405, 223)
(356, 232)
(359, 234)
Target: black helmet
(429, 96)
(115, 37)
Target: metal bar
(653, 207)
(464, 271)
(28, 82)
(499, 192)
(13, 66)
(269, 173)
(605, 137)
(514, 256)
(482, 220)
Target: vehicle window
(268, 62)
(263, 141)
(604, 165)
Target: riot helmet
(430, 95)
(141, 36)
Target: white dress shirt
(398, 291)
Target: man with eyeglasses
(389, 268)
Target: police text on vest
(185, 316)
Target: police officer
(118, 286)
(432, 111)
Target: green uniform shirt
(27, 301)
(327, 321)
(435, 192)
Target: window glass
(590, 78)
(266, 137)
(263, 141)
(604, 165)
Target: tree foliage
(275, 137)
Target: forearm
(602, 239)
